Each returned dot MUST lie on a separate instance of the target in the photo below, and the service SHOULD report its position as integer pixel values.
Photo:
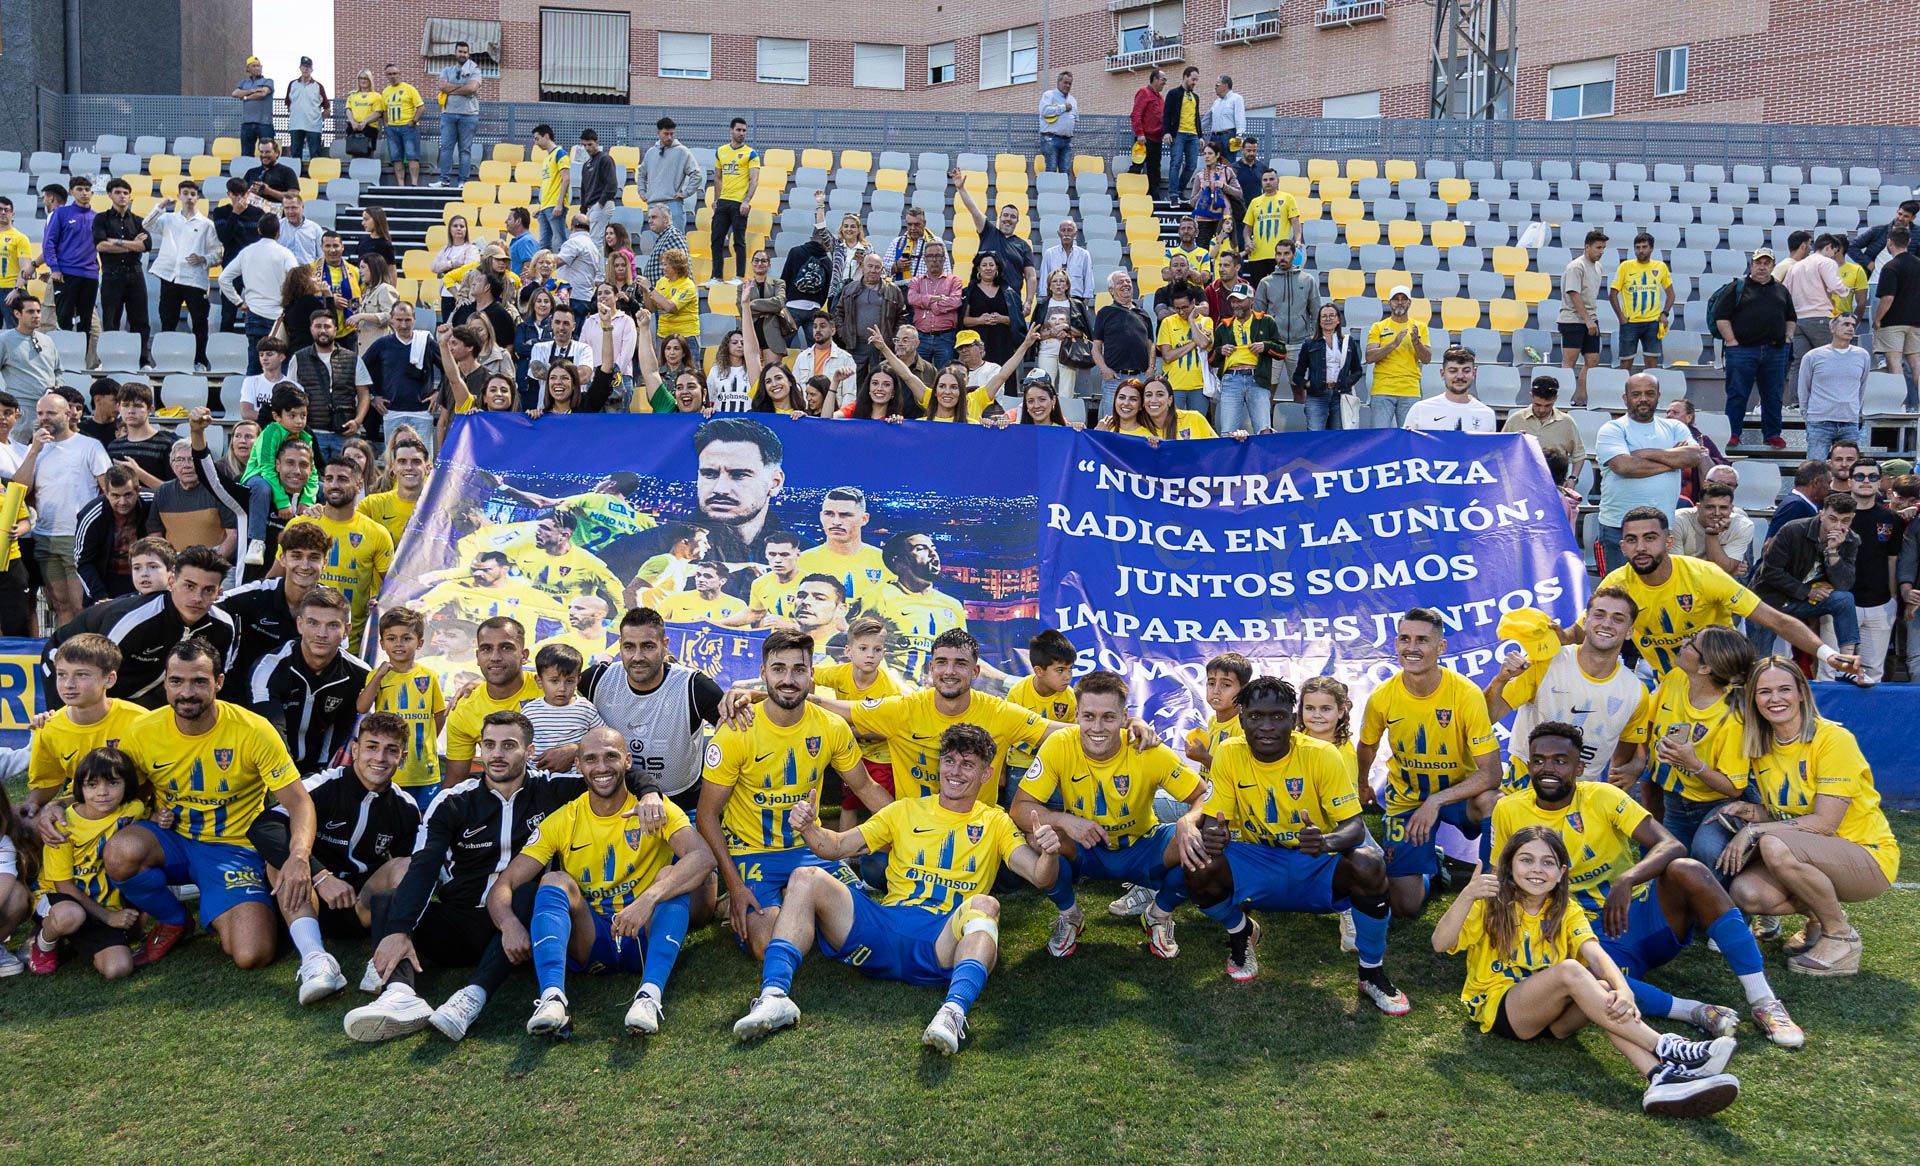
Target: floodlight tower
(1472, 59)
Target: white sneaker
(1132, 904)
(1159, 925)
(456, 1016)
(10, 964)
(370, 980)
(1066, 933)
(643, 1015)
(256, 553)
(772, 1010)
(395, 1012)
(550, 1016)
(319, 977)
(1349, 939)
(945, 1030)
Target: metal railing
(77, 119)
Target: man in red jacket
(1149, 110)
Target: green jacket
(1260, 328)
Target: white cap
(1400, 290)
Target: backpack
(812, 280)
(1727, 298)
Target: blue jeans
(1194, 399)
(1764, 367)
(1245, 403)
(251, 134)
(420, 423)
(1710, 837)
(327, 446)
(1610, 556)
(1391, 412)
(1683, 817)
(257, 327)
(1185, 159)
(553, 227)
(1323, 411)
(1822, 434)
(1057, 149)
(1838, 606)
(305, 145)
(1107, 387)
(937, 348)
(403, 144)
(456, 145)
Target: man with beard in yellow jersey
(1679, 595)
(589, 629)
(1106, 821)
(1441, 755)
(938, 926)
(754, 775)
(558, 568)
(706, 602)
(845, 555)
(1633, 877)
(362, 548)
(393, 509)
(1283, 833)
(618, 900)
(212, 765)
(770, 597)
(500, 651)
(918, 611)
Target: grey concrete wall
(216, 37)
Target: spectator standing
(1865, 247)
(936, 297)
(874, 302)
(1149, 115)
(298, 233)
(599, 185)
(140, 449)
(29, 359)
(1716, 530)
(16, 261)
(1642, 457)
(262, 269)
(736, 175)
(255, 94)
(1907, 577)
(1397, 348)
(185, 512)
(1642, 293)
(1067, 256)
(1185, 339)
(1326, 369)
(825, 358)
(324, 369)
(1059, 109)
(1881, 532)
(1896, 314)
(1812, 284)
(1227, 117)
(366, 108)
(1272, 218)
(1552, 427)
(669, 176)
(580, 264)
(1180, 130)
(1290, 297)
(120, 239)
(1833, 386)
(307, 109)
(906, 256)
(403, 128)
(1248, 167)
(1754, 317)
(271, 179)
(1812, 482)
(1579, 318)
(185, 250)
(459, 88)
(666, 237)
(1004, 240)
(556, 172)
(1457, 410)
(1245, 345)
(1807, 571)
(237, 226)
(1123, 346)
(67, 249)
(66, 470)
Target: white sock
(477, 990)
(1758, 990)
(654, 990)
(1683, 1009)
(396, 988)
(40, 941)
(306, 937)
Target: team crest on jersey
(976, 832)
(1578, 826)
(633, 837)
(872, 702)
(1122, 783)
(223, 757)
(565, 570)
(1444, 716)
(1295, 787)
(354, 537)
(1685, 600)
(422, 683)
(1884, 531)
(873, 574)
(381, 842)
(813, 746)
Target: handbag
(1076, 352)
(1349, 411)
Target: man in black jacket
(1756, 322)
(1807, 572)
(307, 689)
(1181, 132)
(236, 224)
(144, 627)
(599, 185)
(104, 534)
(1865, 247)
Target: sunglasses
(1873, 477)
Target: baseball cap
(1400, 289)
(1240, 291)
(1036, 376)
(965, 337)
(307, 62)
(1533, 630)
(1764, 253)
(251, 61)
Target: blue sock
(551, 930)
(776, 971)
(1736, 942)
(1061, 892)
(148, 891)
(1651, 1001)
(1226, 913)
(969, 976)
(1173, 889)
(1486, 846)
(663, 937)
(1370, 938)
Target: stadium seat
(1457, 313)
(1607, 388)
(1510, 260)
(1760, 484)
(1343, 285)
(1453, 190)
(1448, 233)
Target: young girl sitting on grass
(83, 908)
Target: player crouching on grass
(937, 926)
(1534, 968)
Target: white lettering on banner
(1243, 490)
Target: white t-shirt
(64, 480)
(1603, 709)
(1439, 415)
(257, 391)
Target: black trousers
(173, 297)
(729, 219)
(73, 300)
(123, 293)
(1156, 181)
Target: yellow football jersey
(599, 519)
(391, 511)
(555, 166)
(611, 858)
(690, 607)
(403, 103)
(357, 563)
(936, 858)
(1597, 826)
(1058, 707)
(1214, 732)
(837, 678)
(59, 744)
(1789, 777)
(216, 783)
(1269, 220)
(1117, 793)
(1432, 741)
(861, 573)
(589, 644)
(1270, 803)
(1185, 373)
(772, 595)
(734, 166)
(1674, 711)
(1697, 594)
(918, 618)
(770, 770)
(415, 697)
(572, 572)
(79, 858)
(514, 597)
(1491, 973)
(912, 725)
(469, 716)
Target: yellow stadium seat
(1358, 168)
(1310, 208)
(429, 293)
(1452, 190)
(1531, 287)
(1510, 260)
(203, 166)
(1400, 168)
(408, 288)
(323, 169)
(1405, 232)
(478, 193)
(1342, 285)
(976, 183)
(724, 305)
(170, 185)
(1360, 232)
(529, 172)
(1387, 278)
(139, 184)
(630, 197)
(1010, 182)
(436, 239)
(1102, 300)
(1347, 210)
(1335, 188)
(1124, 184)
(225, 149)
(309, 189)
(457, 208)
(857, 159)
(1296, 186)
(494, 218)
(418, 264)
(161, 165)
(1457, 312)
(1322, 168)
(765, 198)
(1448, 233)
(1135, 204)
(1507, 315)
(778, 156)
(1010, 163)
(496, 172)
(512, 153)
(627, 156)
(142, 204)
(1421, 309)
(1150, 258)
(817, 159)
(895, 180)
(514, 194)
(1090, 164)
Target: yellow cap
(1533, 630)
(965, 337)
(1139, 153)
(252, 61)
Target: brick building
(1721, 61)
